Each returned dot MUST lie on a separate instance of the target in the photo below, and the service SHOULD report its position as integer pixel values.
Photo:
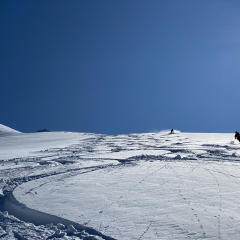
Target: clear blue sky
(120, 66)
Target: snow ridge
(4, 130)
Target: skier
(171, 131)
(237, 136)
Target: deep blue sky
(120, 66)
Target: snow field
(26, 145)
(150, 200)
(142, 186)
(134, 186)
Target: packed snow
(63, 185)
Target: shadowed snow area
(133, 186)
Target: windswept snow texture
(6, 131)
(135, 186)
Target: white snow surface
(133, 186)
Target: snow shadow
(19, 210)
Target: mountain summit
(4, 130)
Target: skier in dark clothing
(237, 136)
(171, 131)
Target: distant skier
(171, 131)
(237, 136)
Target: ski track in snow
(134, 186)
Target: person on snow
(171, 131)
(237, 136)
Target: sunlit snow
(133, 186)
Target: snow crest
(4, 130)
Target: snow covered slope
(133, 186)
(26, 145)
(7, 131)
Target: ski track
(99, 154)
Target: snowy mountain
(67, 185)
(6, 130)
